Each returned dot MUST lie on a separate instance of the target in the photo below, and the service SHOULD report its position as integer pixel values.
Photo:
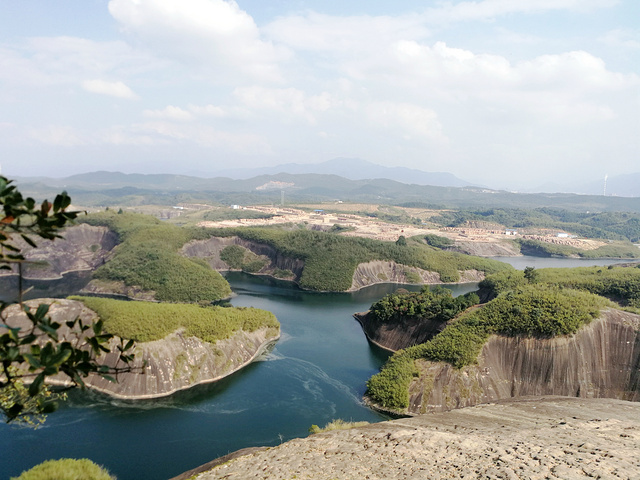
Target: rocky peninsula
(533, 438)
(165, 366)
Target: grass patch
(336, 425)
(146, 321)
(66, 469)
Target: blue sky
(501, 92)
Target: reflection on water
(69, 284)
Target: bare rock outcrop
(394, 337)
(487, 249)
(601, 360)
(533, 438)
(162, 367)
(82, 247)
(382, 271)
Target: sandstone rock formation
(83, 247)
(162, 367)
(397, 336)
(533, 438)
(601, 360)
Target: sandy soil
(531, 438)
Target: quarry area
(526, 438)
(371, 227)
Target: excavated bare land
(528, 438)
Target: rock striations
(533, 438)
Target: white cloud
(201, 135)
(491, 9)
(57, 135)
(112, 89)
(169, 113)
(213, 34)
(290, 101)
(622, 38)
(406, 119)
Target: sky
(506, 93)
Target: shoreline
(264, 347)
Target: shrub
(66, 469)
(336, 425)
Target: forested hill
(113, 188)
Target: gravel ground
(529, 438)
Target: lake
(315, 373)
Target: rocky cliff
(165, 366)
(394, 337)
(82, 247)
(600, 360)
(541, 438)
(210, 250)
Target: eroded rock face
(165, 366)
(381, 271)
(83, 247)
(394, 337)
(601, 360)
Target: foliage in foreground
(148, 257)
(28, 355)
(147, 321)
(531, 310)
(331, 260)
(66, 469)
(338, 424)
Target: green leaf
(37, 384)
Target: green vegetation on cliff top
(148, 257)
(147, 321)
(331, 260)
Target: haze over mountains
(332, 176)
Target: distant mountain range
(119, 189)
(353, 169)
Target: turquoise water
(315, 373)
